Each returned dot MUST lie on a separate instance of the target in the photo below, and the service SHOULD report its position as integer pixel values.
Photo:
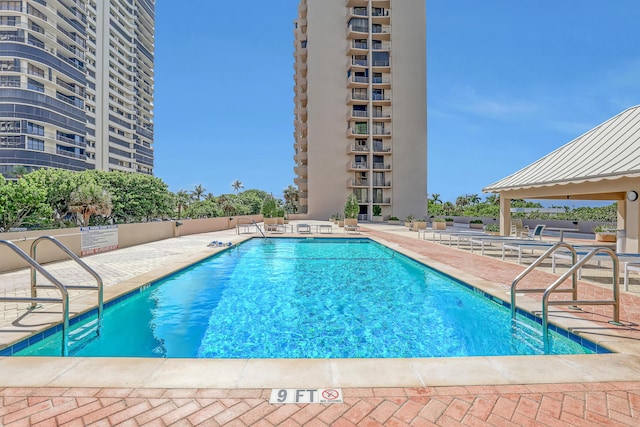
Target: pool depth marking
(306, 395)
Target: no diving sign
(306, 395)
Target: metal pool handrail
(99, 284)
(64, 299)
(615, 302)
(534, 265)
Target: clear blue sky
(508, 82)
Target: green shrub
(494, 228)
(394, 218)
(475, 221)
(439, 220)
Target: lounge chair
(352, 228)
(303, 228)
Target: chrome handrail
(533, 266)
(74, 257)
(572, 271)
(64, 299)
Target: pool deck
(535, 390)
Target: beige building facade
(76, 85)
(360, 107)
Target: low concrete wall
(128, 235)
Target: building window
(12, 126)
(11, 5)
(35, 144)
(35, 129)
(10, 81)
(35, 71)
(35, 85)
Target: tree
(269, 207)
(237, 185)
(290, 195)
(22, 202)
(435, 198)
(89, 200)
(473, 199)
(182, 199)
(198, 192)
(351, 207)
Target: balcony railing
(382, 200)
(381, 166)
(359, 113)
(359, 183)
(355, 131)
(358, 165)
(359, 79)
(381, 63)
(359, 62)
(358, 45)
(381, 183)
(381, 114)
(380, 97)
(359, 148)
(358, 29)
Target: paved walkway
(552, 403)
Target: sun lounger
(303, 228)
(520, 247)
(490, 240)
(352, 229)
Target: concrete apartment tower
(76, 85)
(360, 107)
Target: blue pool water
(309, 298)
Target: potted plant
(351, 210)
(605, 233)
(394, 220)
(377, 213)
(408, 220)
(340, 221)
(419, 224)
(439, 224)
(492, 229)
(449, 221)
(475, 223)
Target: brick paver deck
(561, 404)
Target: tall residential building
(360, 106)
(76, 85)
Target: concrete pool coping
(297, 373)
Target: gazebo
(602, 164)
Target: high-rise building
(360, 106)
(76, 85)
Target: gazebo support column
(505, 216)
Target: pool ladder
(253, 221)
(34, 299)
(573, 273)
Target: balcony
(357, 48)
(357, 98)
(301, 171)
(301, 157)
(353, 183)
(301, 143)
(382, 32)
(381, 47)
(381, 15)
(357, 114)
(302, 10)
(355, 148)
(381, 115)
(357, 81)
(302, 183)
(382, 200)
(357, 166)
(381, 98)
(382, 183)
(381, 82)
(381, 166)
(354, 132)
(357, 31)
(382, 132)
(386, 149)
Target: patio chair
(518, 229)
(537, 232)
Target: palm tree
(198, 192)
(88, 200)
(237, 185)
(435, 198)
(290, 195)
(182, 200)
(474, 199)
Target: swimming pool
(309, 298)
